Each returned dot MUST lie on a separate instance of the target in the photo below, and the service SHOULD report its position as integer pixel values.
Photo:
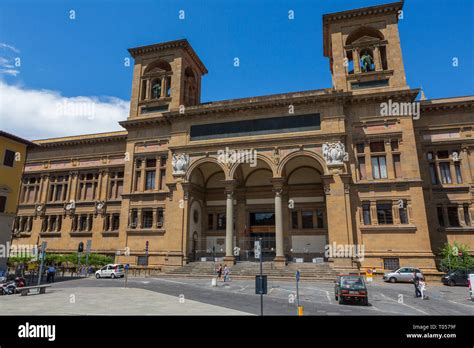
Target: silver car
(403, 274)
(110, 271)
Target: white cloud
(9, 47)
(38, 114)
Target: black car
(351, 287)
(457, 277)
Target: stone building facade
(361, 164)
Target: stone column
(389, 160)
(377, 59)
(148, 89)
(280, 252)
(462, 222)
(229, 221)
(139, 218)
(356, 60)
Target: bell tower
(165, 76)
(363, 47)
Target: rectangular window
(160, 217)
(366, 213)
(360, 148)
(397, 166)
(319, 219)
(384, 213)
(9, 158)
(403, 212)
(3, 203)
(221, 221)
(391, 264)
(394, 145)
(453, 217)
(433, 174)
(138, 179)
(307, 219)
(116, 185)
(294, 219)
(162, 178)
(147, 219)
(377, 146)
(115, 222)
(362, 172)
(150, 180)
(467, 216)
(439, 211)
(210, 221)
(457, 168)
(445, 173)
(272, 125)
(134, 219)
(379, 167)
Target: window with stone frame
(88, 186)
(30, 189)
(366, 213)
(146, 170)
(384, 213)
(133, 223)
(467, 215)
(115, 185)
(445, 166)
(51, 223)
(58, 186)
(378, 160)
(453, 216)
(147, 218)
(82, 222)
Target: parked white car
(403, 274)
(110, 271)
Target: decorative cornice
(329, 18)
(177, 44)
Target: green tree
(455, 257)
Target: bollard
(214, 282)
(300, 310)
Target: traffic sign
(257, 249)
(261, 285)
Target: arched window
(365, 45)
(156, 80)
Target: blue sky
(85, 56)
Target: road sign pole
(261, 278)
(43, 255)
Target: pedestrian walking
(226, 273)
(219, 272)
(50, 274)
(422, 287)
(416, 282)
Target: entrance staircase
(248, 269)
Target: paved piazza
(196, 296)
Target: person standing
(422, 287)
(416, 282)
(51, 273)
(226, 273)
(219, 272)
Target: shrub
(450, 260)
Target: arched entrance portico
(283, 204)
